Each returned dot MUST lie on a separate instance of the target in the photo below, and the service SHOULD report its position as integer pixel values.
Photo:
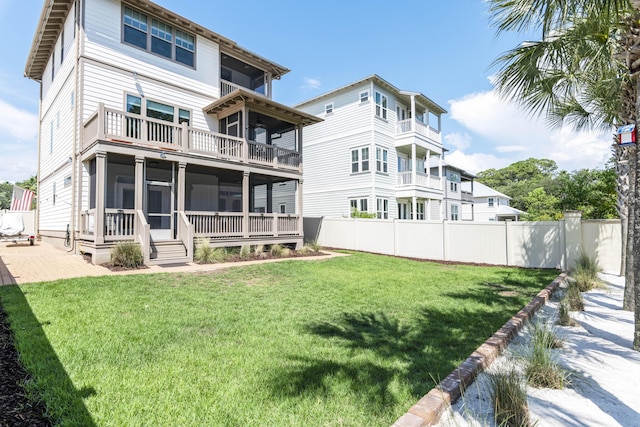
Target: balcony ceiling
(258, 103)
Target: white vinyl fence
(553, 244)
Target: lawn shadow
(63, 401)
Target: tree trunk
(632, 200)
(635, 232)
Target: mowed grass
(350, 341)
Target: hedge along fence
(552, 244)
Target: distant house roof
(380, 82)
(481, 190)
(433, 163)
(508, 210)
(54, 13)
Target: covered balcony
(418, 121)
(413, 176)
(238, 74)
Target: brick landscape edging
(428, 410)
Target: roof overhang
(54, 13)
(52, 17)
(262, 104)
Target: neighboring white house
(158, 130)
(492, 205)
(458, 192)
(370, 153)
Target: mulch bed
(15, 408)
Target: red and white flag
(21, 200)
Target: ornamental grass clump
(564, 318)
(541, 370)
(127, 255)
(585, 273)
(574, 297)
(205, 254)
(509, 398)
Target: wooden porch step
(168, 252)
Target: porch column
(429, 209)
(245, 204)
(299, 208)
(139, 183)
(427, 162)
(181, 185)
(269, 206)
(414, 209)
(299, 145)
(414, 164)
(413, 113)
(101, 170)
(440, 172)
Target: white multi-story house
(492, 205)
(371, 153)
(158, 130)
(458, 192)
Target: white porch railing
(404, 126)
(216, 224)
(185, 234)
(113, 125)
(87, 223)
(226, 87)
(143, 235)
(119, 224)
(467, 196)
(422, 180)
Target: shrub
(509, 398)
(258, 251)
(355, 213)
(574, 296)
(544, 335)
(277, 250)
(245, 251)
(126, 254)
(205, 254)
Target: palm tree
(583, 71)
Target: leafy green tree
(591, 191)
(6, 191)
(541, 206)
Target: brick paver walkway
(21, 263)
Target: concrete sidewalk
(42, 262)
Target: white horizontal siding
(55, 215)
(103, 32)
(110, 86)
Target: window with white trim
(454, 212)
(382, 208)
(360, 160)
(163, 39)
(364, 96)
(283, 208)
(381, 105)
(328, 109)
(358, 205)
(490, 202)
(382, 160)
(420, 210)
(454, 187)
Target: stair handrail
(185, 233)
(143, 235)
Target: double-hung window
(382, 160)
(328, 109)
(454, 212)
(162, 39)
(364, 96)
(454, 187)
(360, 160)
(135, 28)
(490, 202)
(382, 208)
(381, 105)
(358, 205)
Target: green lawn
(351, 341)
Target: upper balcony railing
(404, 126)
(466, 196)
(108, 124)
(227, 87)
(422, 180)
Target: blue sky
(443, 49)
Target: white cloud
(461, 141)
(310, 83)
(18, 143)
(17, 123)
(510, 148)
(506, 128)
(476, 162)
